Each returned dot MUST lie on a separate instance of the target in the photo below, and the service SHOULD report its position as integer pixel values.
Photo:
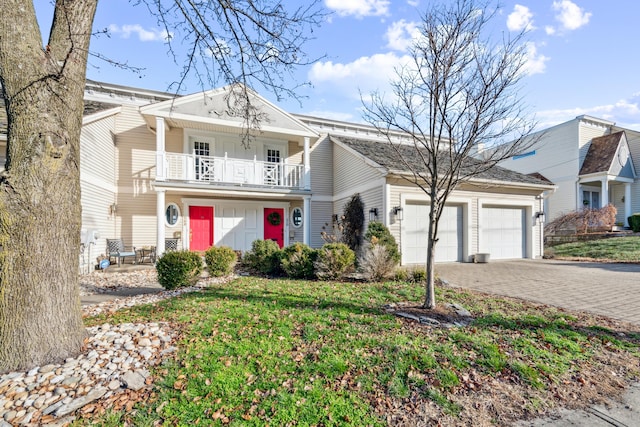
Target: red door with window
(274, 225)
(200, 227)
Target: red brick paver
(609, 289)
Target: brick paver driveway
(609, 289)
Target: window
(591, 199)
(204, 165)
(296, 217)
(272, 171)
(172, 214)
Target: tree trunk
(430, 288)
(40, 213)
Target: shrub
(220, 260)
(383, 235)
(353, 223)
(264, 257)
(413, 274)
(583, 220)
(297, 261)
(634, 222)
(334, 260)
(178, 269)
(376, 263)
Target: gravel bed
(113, 369)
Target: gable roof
(393, 159)
(215, 110)
(602, 153)
(90, 107)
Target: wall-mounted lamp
(335, 217)
(397, 211)
(540, 216)
(113, 208)
(373, 214)
(623, 199)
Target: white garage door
(237, 227)
(414, 238)
(503, 232)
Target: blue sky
(582, 54)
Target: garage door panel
(237, 227)
(503, 232)
(416, 223)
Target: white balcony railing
(225, 170)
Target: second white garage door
(414, 238)
(503, 232)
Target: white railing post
(160, 196)
(160, 154)
(306, 222)
(307, 165)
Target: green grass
(282, 352)
(624, 249)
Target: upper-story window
(204, 164)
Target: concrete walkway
(611, 290)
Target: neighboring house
(158, 169)
(590, 160)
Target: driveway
(608, 289)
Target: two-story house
(158, 169)
(591, 162)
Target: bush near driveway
(334, 260)
(220, 260)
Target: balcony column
(306, 222)
(160, 221)
(307, 165)
(627, 203)
(605, 192)
(160, 154)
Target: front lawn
(282, 352)
(614, 249)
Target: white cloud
(570, 15)
(520, 19)
(549, 30)
(624, 112)
(401, 34)
(414, 3)
(126, 31)
(364, 75)
(536, 62)
(359, 8)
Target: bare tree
(458, 94)
(247, 41)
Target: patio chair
(117, 250)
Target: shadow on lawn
(288, 300)
(537, 324)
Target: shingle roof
(388, 157)
(541, 177)
(601, 153)
(90, 107)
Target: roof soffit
(214, 107)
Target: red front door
(274, 225)
(200, 227)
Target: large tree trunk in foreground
(40, 213)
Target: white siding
(351, 173)
(97, 185)
(321, 214)
(136, 150)
(321, 163)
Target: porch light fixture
(397, 211)
(373, 214)
(540, 216)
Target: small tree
(353, 223)
(458, 93)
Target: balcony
(230, 171)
